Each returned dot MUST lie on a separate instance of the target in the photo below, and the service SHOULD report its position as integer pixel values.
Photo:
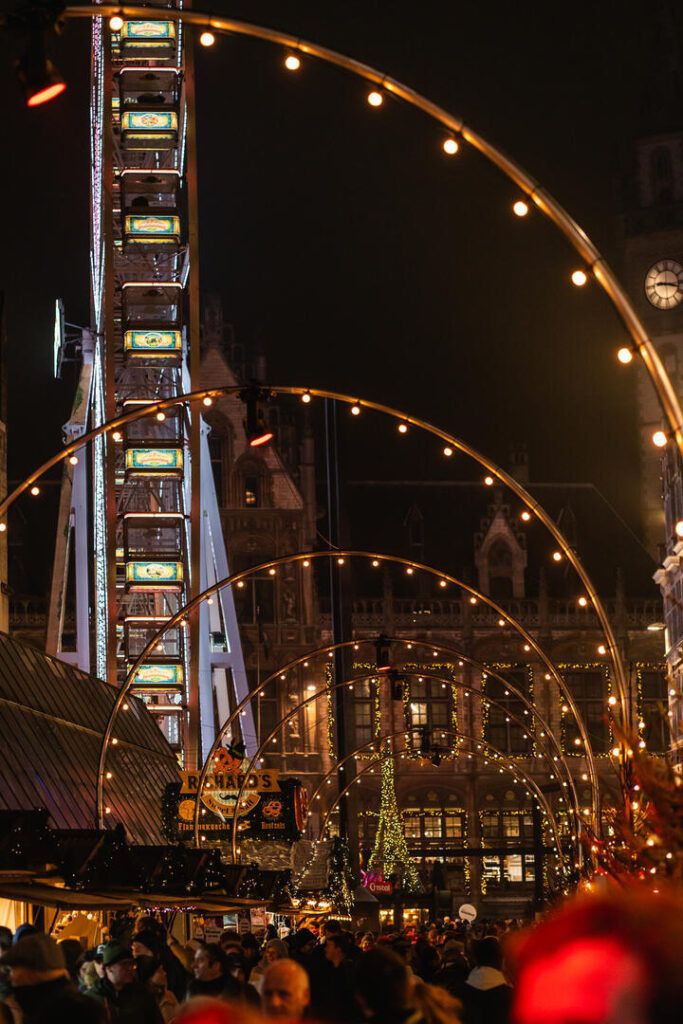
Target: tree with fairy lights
(645, 827)
(390, 853)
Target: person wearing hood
(275, 949)
(41, 990)
(486, 995)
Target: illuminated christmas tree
(390, 853)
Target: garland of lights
(641, 667)
(424, 670)
(497, 666)
(391, 850)
(512, 811)
(331, 720)
(592, 666)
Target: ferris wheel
(139, 515)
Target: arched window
(500, 570)
(252, 483)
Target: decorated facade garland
(499, 812)
(566, 715)
(501, 667)
(331, 718)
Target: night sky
(345, 242)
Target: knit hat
(303, 937)
(149, 939)
(39, 952)
(113, 952)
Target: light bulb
(520, 208)
(292, 62)
(448, 451)
(207, 39)
(375, 99)
(526, 516)
(207, 400)
(305, 398)
(625, 355)
(488, 480)
(403, 428)
(557, 556)
(116, 23)
(450, 146)
(35, 491)
(355, 410)
(659, 439)
(579, 278)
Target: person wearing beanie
(41, 990)
(125, 999)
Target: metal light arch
(309, 701)
(234, 715)
(527, 184)
(532, 505)
(179, 616)
(510, 769)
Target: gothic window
(654, 702)
(252, 483)
(500, 570)
(589, 689)
(661, 175)
(501, 731)
(428, 708)
(362, 710)
(251, 491)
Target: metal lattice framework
(153, 515)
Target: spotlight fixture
(39, 78)
(255, 425)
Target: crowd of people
(605, 961)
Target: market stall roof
(52, 717)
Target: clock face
(664, 284)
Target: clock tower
(653, 275)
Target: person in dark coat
(126, 1000)
(383, 988)
(333, 982)
(213, 977)
(455, 969)
(486, 996)
(41, 990)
